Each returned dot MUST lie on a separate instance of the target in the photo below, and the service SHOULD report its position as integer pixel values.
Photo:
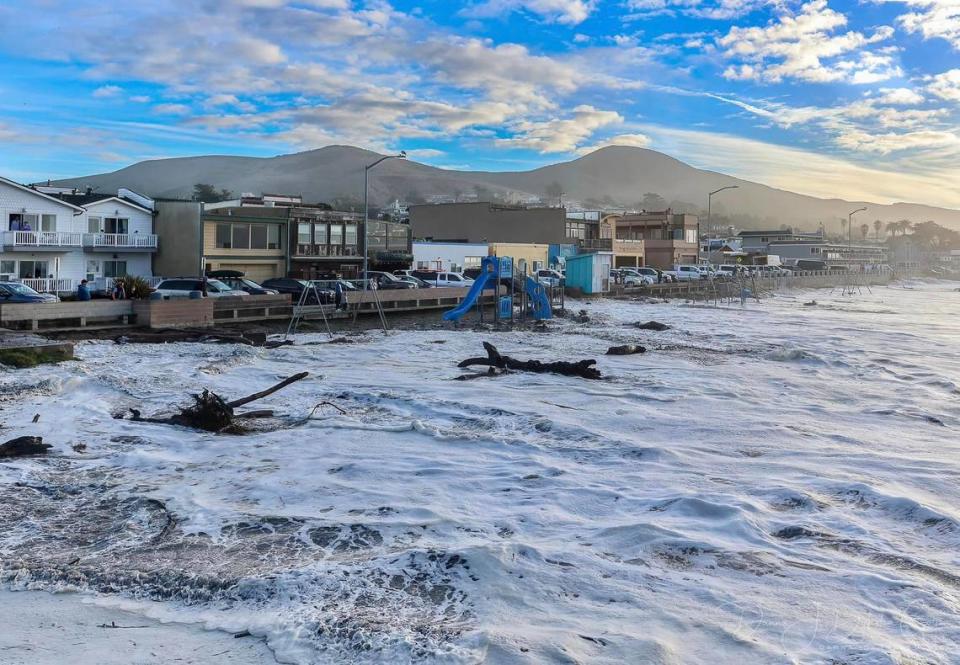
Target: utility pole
(710, 214)
(366, 210)
(850, 232)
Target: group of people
(119, 291)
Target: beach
(770, 483)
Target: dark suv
(295, 287)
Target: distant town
(56, 237)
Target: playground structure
(536, 299)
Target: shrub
(136, 287)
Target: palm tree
(892, 228)
(864, 230)
(843, 226)
(877, 225)
(904, 226)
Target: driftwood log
(212, 413)
(582, 368)
(23, 446)
(652, 325)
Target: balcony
(33, 240)
(306, 250)
(594, 245)
(120, 242)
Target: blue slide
(539, 303)
(489, 271)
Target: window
(116, 225)
(472, 261)
(258, 236)
(93, 270)
(8, 267)
(114, 268)
(94, 225)
(320, 234)
(33, 269)
(303, 234)
(273, 237)
(336, 235)
(576, 230)
(223, 237)
(241, 236)
(48, 222)
(691, 235)
(351, 234)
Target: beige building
(660, 239)
(250, 240)
(526, 256)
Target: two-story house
(51, 238)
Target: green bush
(136, 287)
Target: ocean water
(778, 483)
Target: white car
(181, 287)
(688, 273)
(454, 279)
(549, 277)
(633, 277)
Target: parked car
(331, 285)
(632, 277)
(14, 292)
(688, 272)
(416, 281)
(181, 287)
(549, 277)
(295, 288)
(247, 286)
(811, 264)
(444, 279)
(385, 281)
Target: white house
(51, 238)
(448, 256)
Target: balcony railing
(121, 240)
(304, 249)
(44, 285)
(42, 239)
(595, 244)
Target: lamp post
(850, 232)
(366, 209)
(710, 212)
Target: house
(527, 257)
(52, 238)
(448, 256)
(667, 238)
(589, 272)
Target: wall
(174, 313)
(452, 253)
(486, 222)
(529, 253)
(178, 225)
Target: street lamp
(366, 209)
(710, 212)
(850, 232)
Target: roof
(87, 200)
(30, 190)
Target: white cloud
(633, 140)
(806, 171)
(571, 12)
(946, 85)
(560, 134)
(806, 46)
(711, 9)
(900, 97)
(140, 99)
(107, 91)
(932, 19)
(171, 109)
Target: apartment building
(52, 237)
(667, 238)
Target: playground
(537, 301)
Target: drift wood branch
(212, 413)
(581, 368)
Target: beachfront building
(448, 256)
(324, 243)
(659, 239)
(758, 242)
(528, 257)
(52, 238)
(837, 254)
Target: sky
(855, 99)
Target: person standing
(83, 291)
(338, 293)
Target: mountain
(617, 174)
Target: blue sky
(855, 99)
